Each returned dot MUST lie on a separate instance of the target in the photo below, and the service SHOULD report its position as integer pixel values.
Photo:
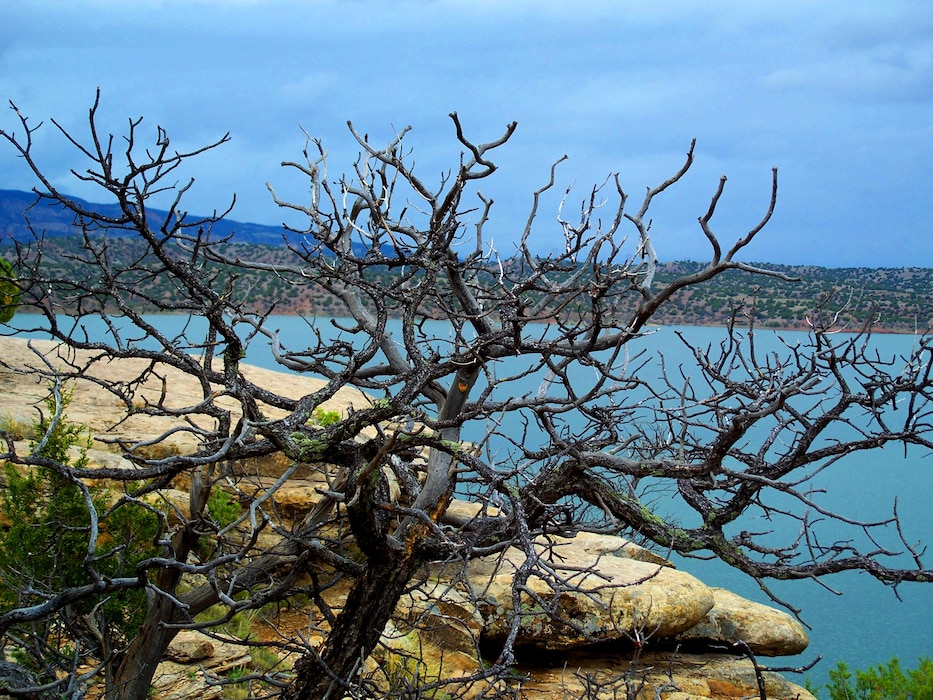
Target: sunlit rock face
(579, 595)
(735, 620)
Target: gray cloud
(837, 94)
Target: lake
(864, 623)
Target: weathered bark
(356, 630)
(392, 558)
(133, 676)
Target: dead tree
(399, 251)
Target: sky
(837, 94)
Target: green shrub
(324, 418)
(46, 547)
(264, 658)
(223, 508)
(235, 690)
(9, 291)
(882, 682)
(240, 626)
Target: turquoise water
(859, 620)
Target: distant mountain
(56, 221)
(897, 299)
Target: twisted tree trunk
(356, 631)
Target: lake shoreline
(794, 328)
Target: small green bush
(324, 418)
(223, 508)
(9, 291)
(46, 547)
(882, 682)
(235, 690)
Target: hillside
(54, 222)
(899, 299)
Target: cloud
(884, 72)
(309, 86)
(819, 89)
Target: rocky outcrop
(590, 608)
(596, 611)
(600, 611)
(616, 602)
(577, 596)
(658, 676)
(193, 664)
(733, 619)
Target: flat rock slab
(100, 410)
(734, 619)
(667, 675)
(191, 658)
(575, 597)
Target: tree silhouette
(399, 251)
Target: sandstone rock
(297, 496)
(106, 459)
(417, 654)
(444, 615)
(96, 408)
(576, 597)
(597, 545)
(173, 502)
(461, 513)
(188, 647)
(668, 675)
(768, 632)
(187, 680)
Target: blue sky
(837, 94)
